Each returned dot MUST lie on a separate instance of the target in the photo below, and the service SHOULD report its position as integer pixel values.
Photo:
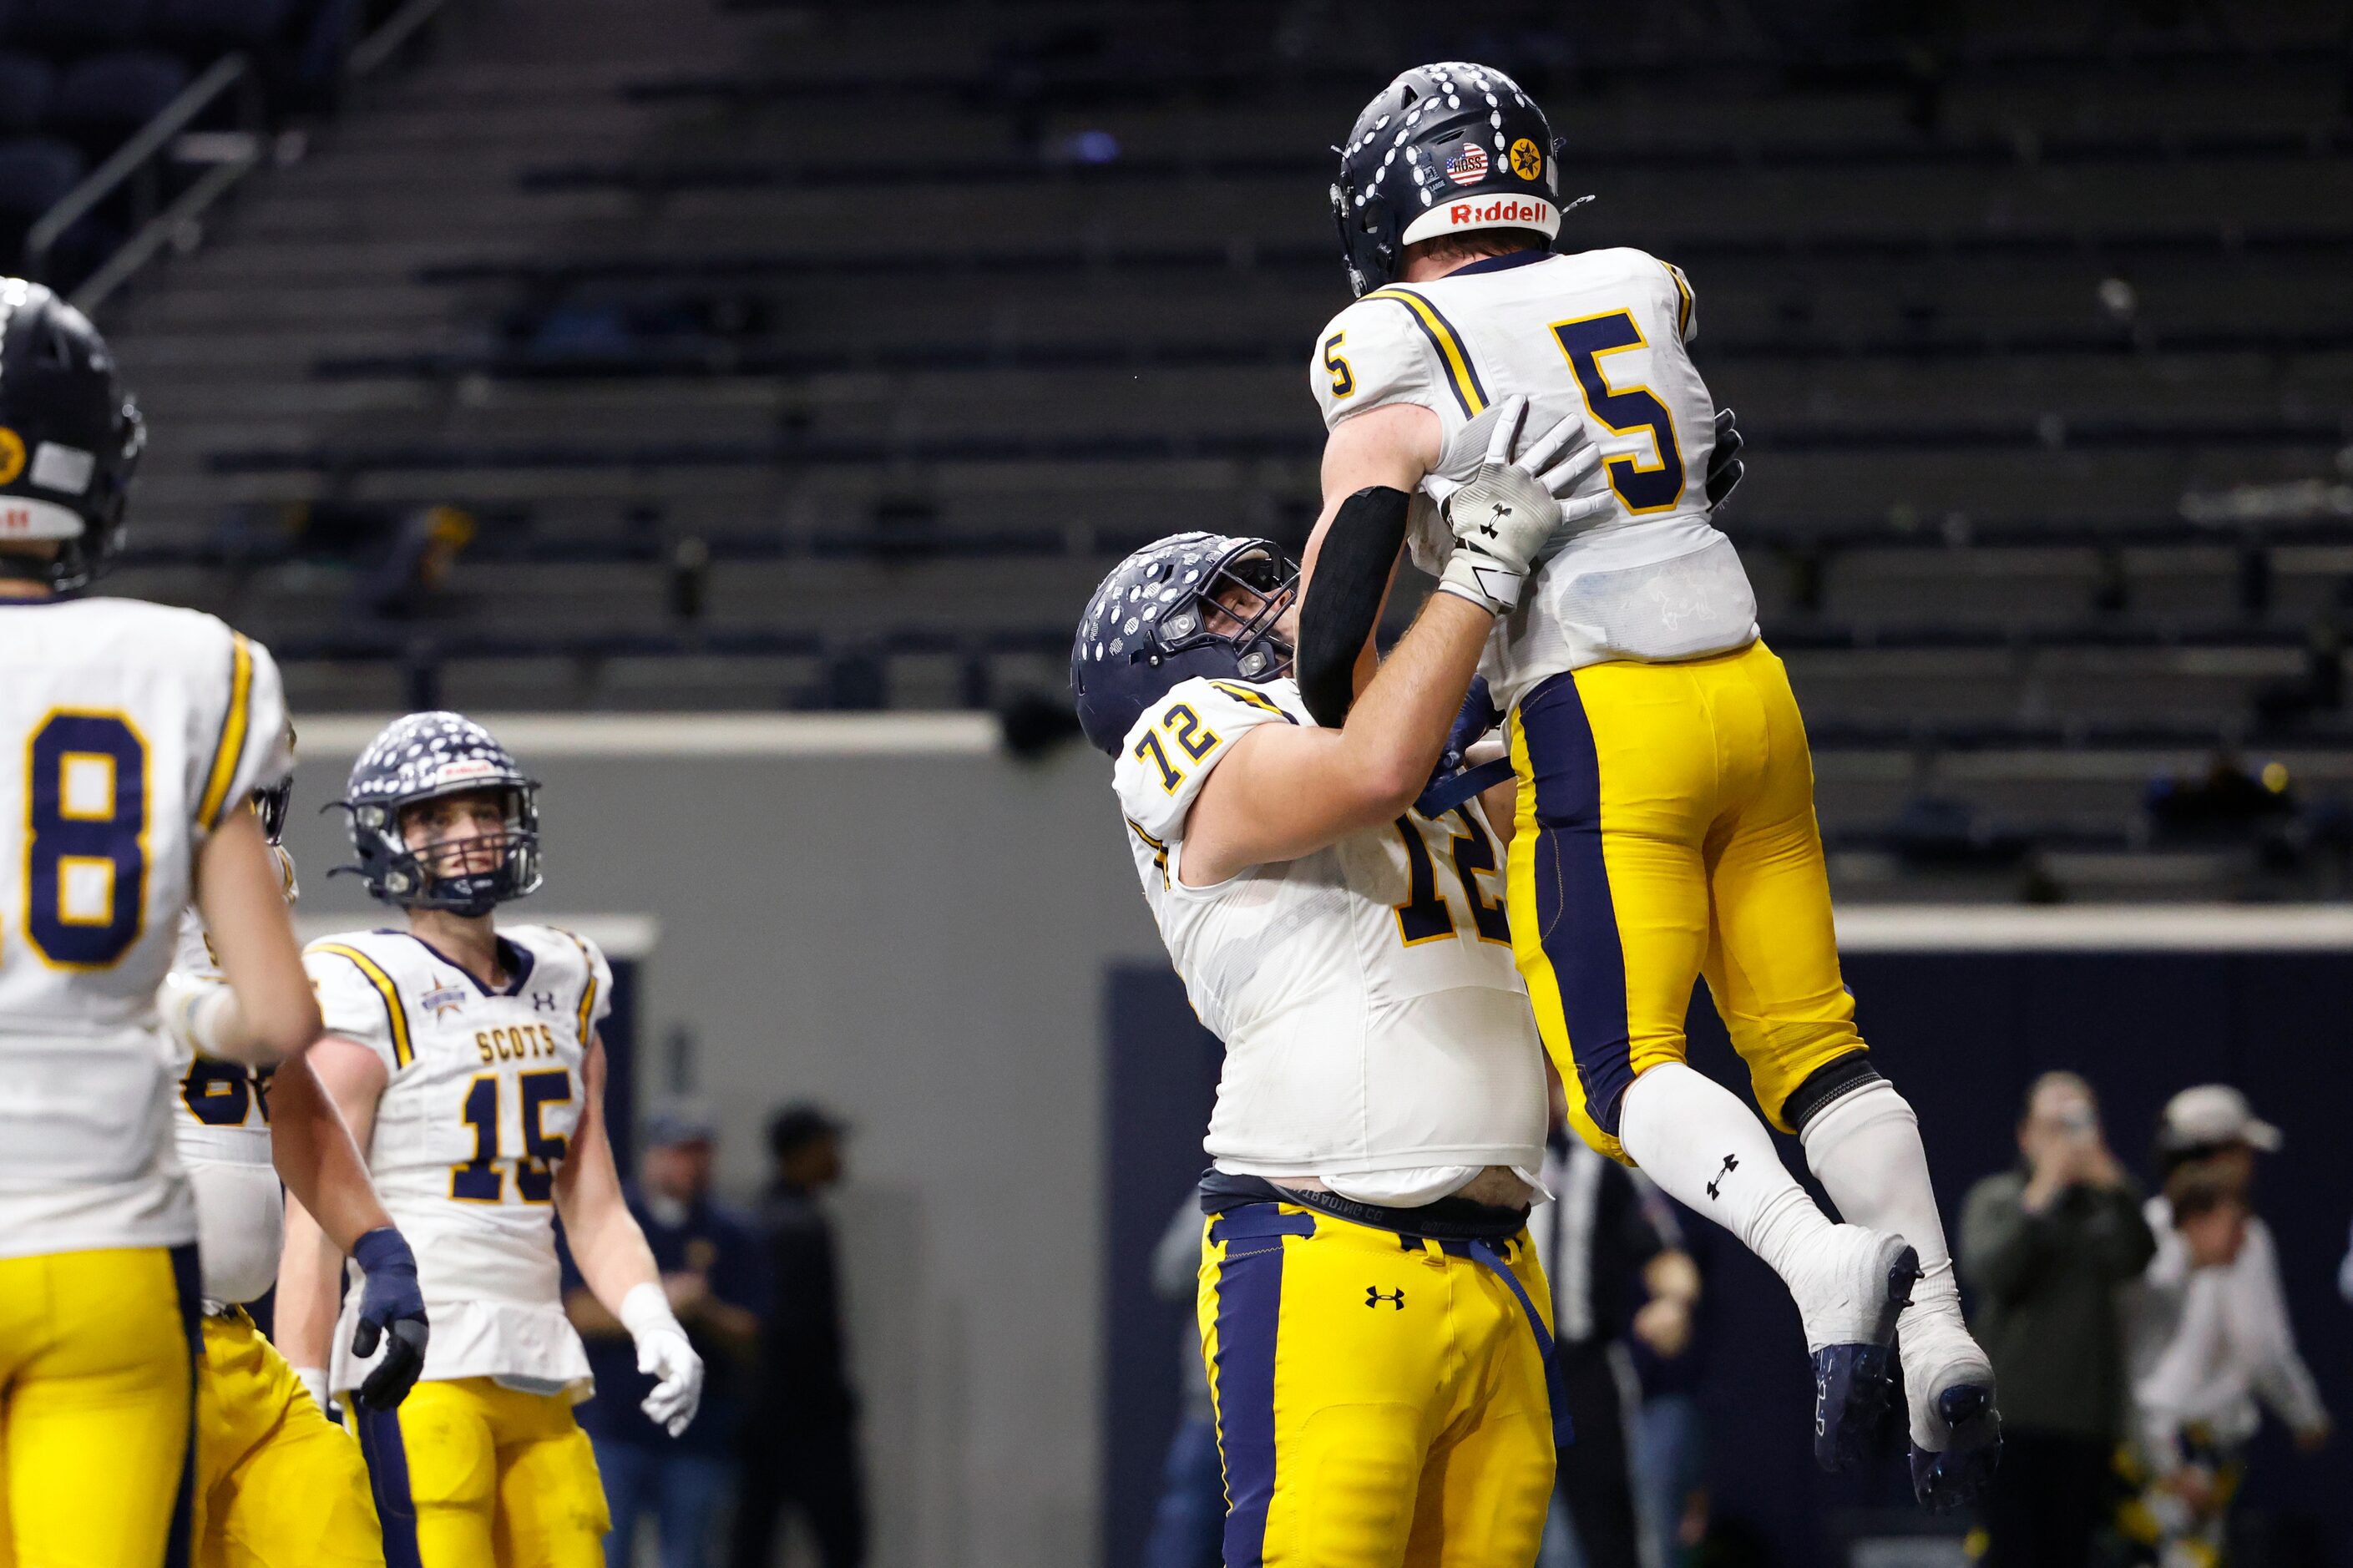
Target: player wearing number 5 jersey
(1665, 803)
(1369, 1306)
(466, 1060)
(130, 737)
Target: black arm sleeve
(1344, 598)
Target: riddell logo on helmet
(1502, 211)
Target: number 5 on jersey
(1643, 487)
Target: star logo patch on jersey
(1527, 159)
(445, 998)
(1469, 166)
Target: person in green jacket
(2045, 1247)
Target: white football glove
(664, 1353)
(1512, 509)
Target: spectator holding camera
(2045, 1247)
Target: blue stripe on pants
(387, 1464)
(1249, 1311)
(1575, 916)
(187, 1282)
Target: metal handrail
(372, 52)
(150, 140)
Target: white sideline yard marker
(621, 936)
(531, 736)
(2102, 928)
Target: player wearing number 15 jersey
(467, 1060)
(1666, 823)
(131, 735)
(1369, 1295)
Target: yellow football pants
(278, 1486)
(1380, 1400)
(470, 1475)
(95, 1395)
(1665, 831)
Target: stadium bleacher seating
(825, 356)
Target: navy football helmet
(70, 436)
(1189, 605)
(1443, 147)
(426, 756)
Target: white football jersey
(1378, 1035)
(1600, 336)
(127, 731)
(483, 1095)
(221, 1124)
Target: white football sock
(1708, 1149)
(1865, 1150)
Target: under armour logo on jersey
(1375, 1296)
(543, 1002)
(1731, 1163)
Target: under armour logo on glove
(1495, 516)
(1374, 1296)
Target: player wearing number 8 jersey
(467, 1060)
(1369, 1302)
(130, 736)
(1665, 803)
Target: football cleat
(1958, 1476)
(1849, 1303)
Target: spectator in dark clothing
(802, 1450)
(2046, 1247)
(716, 1277)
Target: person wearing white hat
(2210, 1335)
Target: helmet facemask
(439, 875)
(1241, 603)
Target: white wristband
(314, 1383)
(1486, 581)
(646, 1309)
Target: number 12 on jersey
(1427, 914)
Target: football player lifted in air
(277, 1485)
(1666, 821)
(466, 1060)
(1374, 1322)
(131, 737)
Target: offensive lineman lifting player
(1665, 824)
(1376, 1324)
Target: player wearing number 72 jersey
(1666, 822)
(1368, 1297)
(467, 1060)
